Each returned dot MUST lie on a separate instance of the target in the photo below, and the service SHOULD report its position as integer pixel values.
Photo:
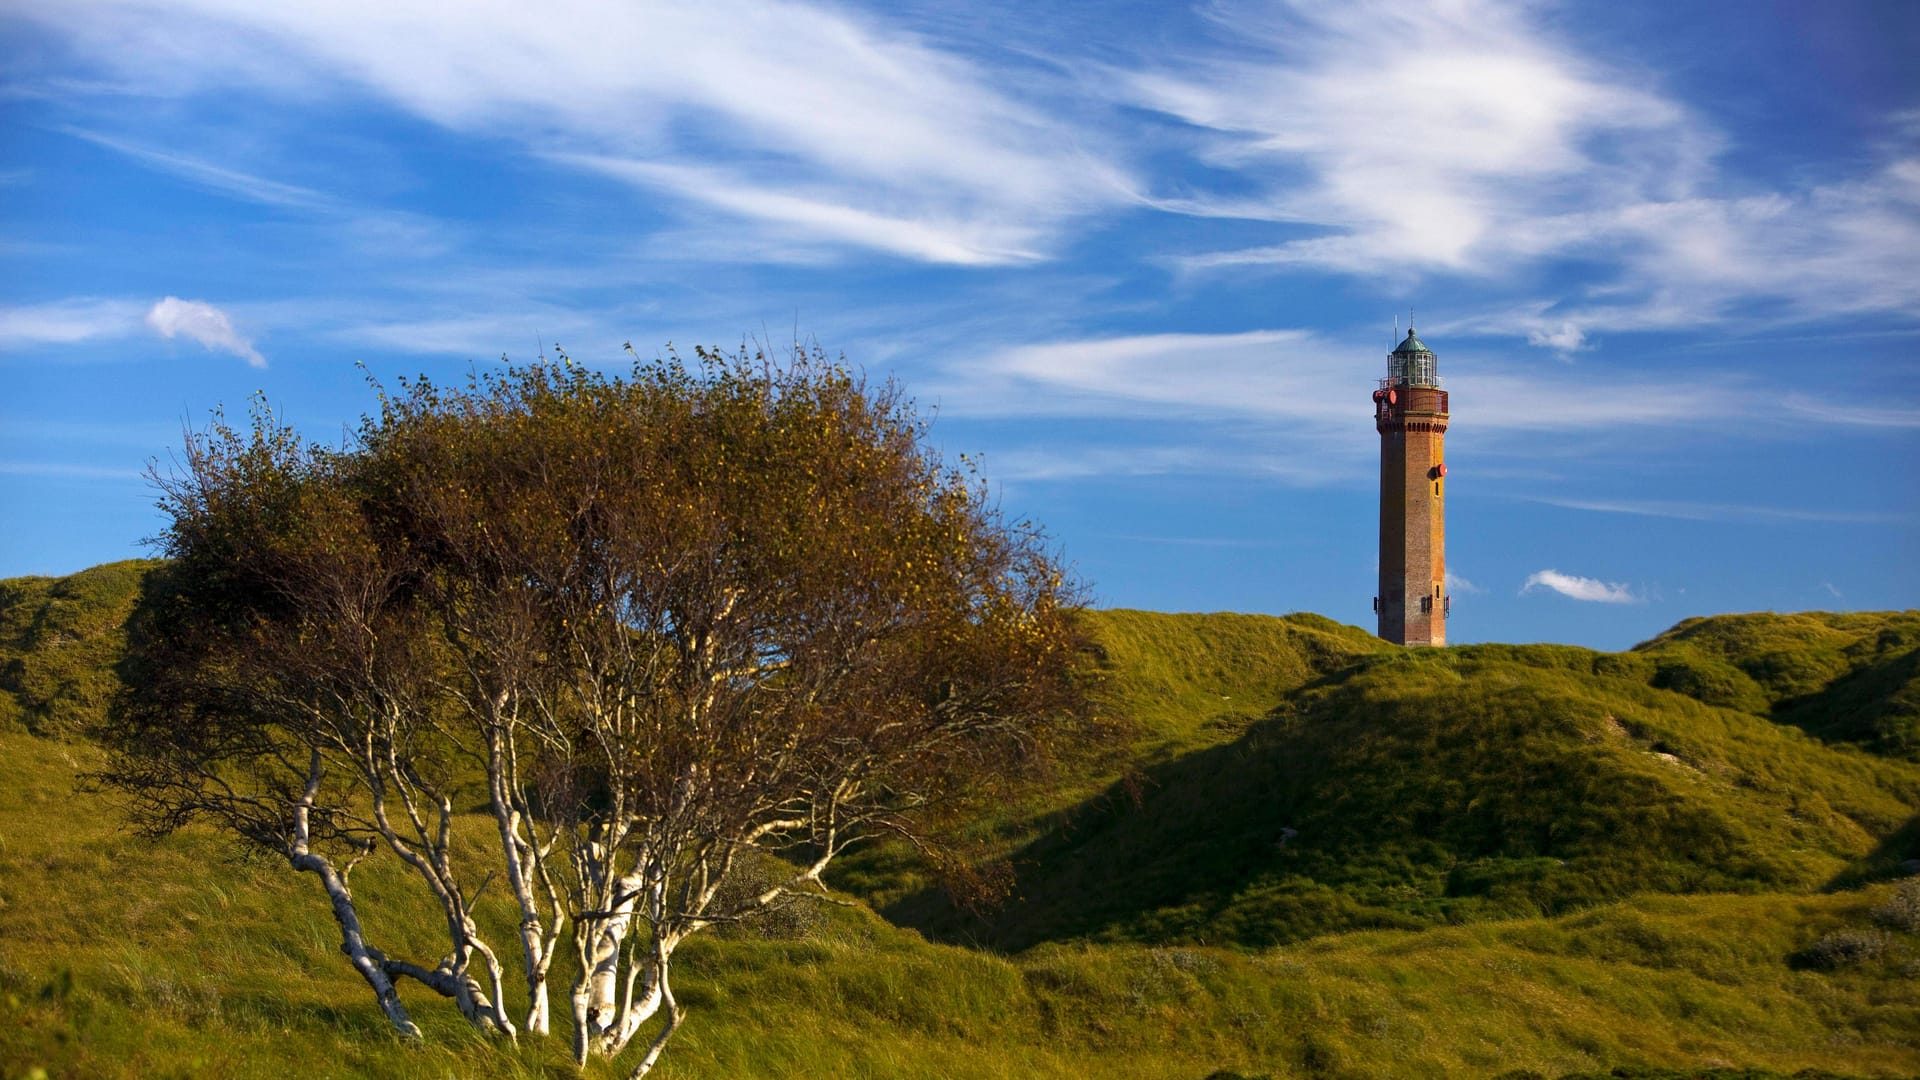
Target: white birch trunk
(604, 915)
(605, 1009)
(385, 773)
(524, 863)
(603, 944)
(453, 979)
(366, 959)
(663, 953)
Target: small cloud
(1562, 337)
(205, 324)
(1458, 584)
(1580, 588)
(1831, 590)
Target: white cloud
(1527, 149)
(1580, 588)
(67, 322)
(1828, 250)
(63, 470)
(1308, 378)
(204, 323)
(1494, 118)
(960, 242)
(1195, 541)
(1563, 336)
(1458, 584)
(881, 129)
(1851, 413)
(214, 177)
(1081, 462)
(393, 234)
(1699, 511)
(1268, 373)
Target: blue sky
(1144, 259)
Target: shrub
(790, 919)
(1844, 948)
(1902, 909)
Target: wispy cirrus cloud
(1465, 137)
(1823, 251)
(1292, 373)
(1314, 378)
(1420, 129)
(1851, 413)
(207, 174)
(1034, 463)
(1284, 404)
(823, 213)
(1290, 405)
(393, 233)
(1581, 588)
(1705, 511)
(68, 470)
(882, 130)
(68, 322)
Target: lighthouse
(1410, 412)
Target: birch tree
(282, 685)
(671, 624)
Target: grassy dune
(1415, 788)
(59, 640)
(1311, 855)
(125, 957)
(1843, 678)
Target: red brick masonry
(1413, 522)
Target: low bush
(1844, 949)
(1902, 909)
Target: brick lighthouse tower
(1410, 412)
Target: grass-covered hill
(59, 640)
(1310, 854)
(1411, 788)
(121, 957)
(1842, 678)
(1292, 777)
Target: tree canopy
(663, 625)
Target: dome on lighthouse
(1411, 345)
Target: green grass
(1415, 788)
(59, 640)
(125, 957)
(1182, 681)
(1534, 858)
(1168, 685)
(1843, 678)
